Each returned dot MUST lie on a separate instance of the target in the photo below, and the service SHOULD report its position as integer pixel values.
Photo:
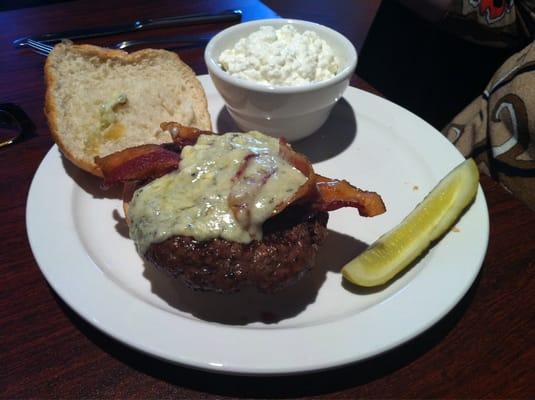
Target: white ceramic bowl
(293, 112)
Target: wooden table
(483, 348)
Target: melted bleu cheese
(217, 172)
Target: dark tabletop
(482, 349)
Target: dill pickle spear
(397, 248)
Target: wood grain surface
(482, 349)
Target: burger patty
(286, 252)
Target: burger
(225, 211)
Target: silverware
(45, 49)
(139, 25)
(197, 39)
(38, 47)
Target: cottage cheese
(280, 57)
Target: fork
(45, 49)
(38, 47)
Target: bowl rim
(214, 67)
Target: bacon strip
(326, 194)
(148, 161)
(298, 160)
(335, 194)
(319, 192)
(246, 188)
(308, 190)
(183, 135)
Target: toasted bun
(83, 80)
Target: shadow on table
(299, 385)
(249, 305)
(331, 139)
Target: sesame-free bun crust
(80, 79)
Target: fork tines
(39, 47)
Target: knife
(139, 25)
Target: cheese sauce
(219, 177)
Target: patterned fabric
(493, 22)
(498, 128)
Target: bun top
(100, 101)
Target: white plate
(79, 241)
